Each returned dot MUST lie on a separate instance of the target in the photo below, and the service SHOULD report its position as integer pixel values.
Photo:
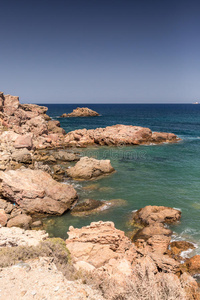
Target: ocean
(167, 174)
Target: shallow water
(146, 175)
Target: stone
(192, 265)
(177, 247)
(3, 217)
(97, 243)
(15, 236)
(37, 224)
(24, 141)
(22, 156)
(87, 206)
(116, 135)
(65, 156)
(22, 221)
(36, 192)
(54, 127)
(81, 112)
(89, 168)
(161, 214)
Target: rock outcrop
(34, 191)
(81, 112)
(117, 135)
(89, 168)
(33, 127)
(155, 237)
(122, 269)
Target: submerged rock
(90, 168)
(81, 112)
(35, 191)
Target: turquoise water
(145, 175)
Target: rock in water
(36, 192)
(117, 135)
(81, 112)
(89, 168)
(160, 214)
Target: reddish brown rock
(177, 247)
(22, 221)
(24, 141)
(161, 214)
(81, 112)
(116, 135)
(192, 265)
(54, 127)
(36, 192)
(97, 243)
(155, 237)
(3, 217)
(89, 168)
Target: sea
(167, 174)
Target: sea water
(167, 174)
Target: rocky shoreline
(32, 168)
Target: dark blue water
(166, 174)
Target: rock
(89, 168)
(7, 206)
(36, 192)
(3, 217)
(161, 214)
(38, 165)
(65, 156)
(116, 135)
(14, 237)
(162, 137)
(81, 112)
(177, 247)
(24, 141)
(87, 207)
(97, 243)
(192, 265)
(36, 224)
(22, 221)
(156, 238)
(54, 127)
(22, 156)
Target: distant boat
(196, 102)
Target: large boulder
(97, 243)
(89, 168)
(160, 214)
(117, 135)
(22, 221)
(81, 112)
(36, 192)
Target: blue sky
(96, 51)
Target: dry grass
(52, 247)
(145, 285)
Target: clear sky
(96, 51)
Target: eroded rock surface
(81, 112)
(35, 191)
(117, 135)
(89, 168)
(157, 214)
